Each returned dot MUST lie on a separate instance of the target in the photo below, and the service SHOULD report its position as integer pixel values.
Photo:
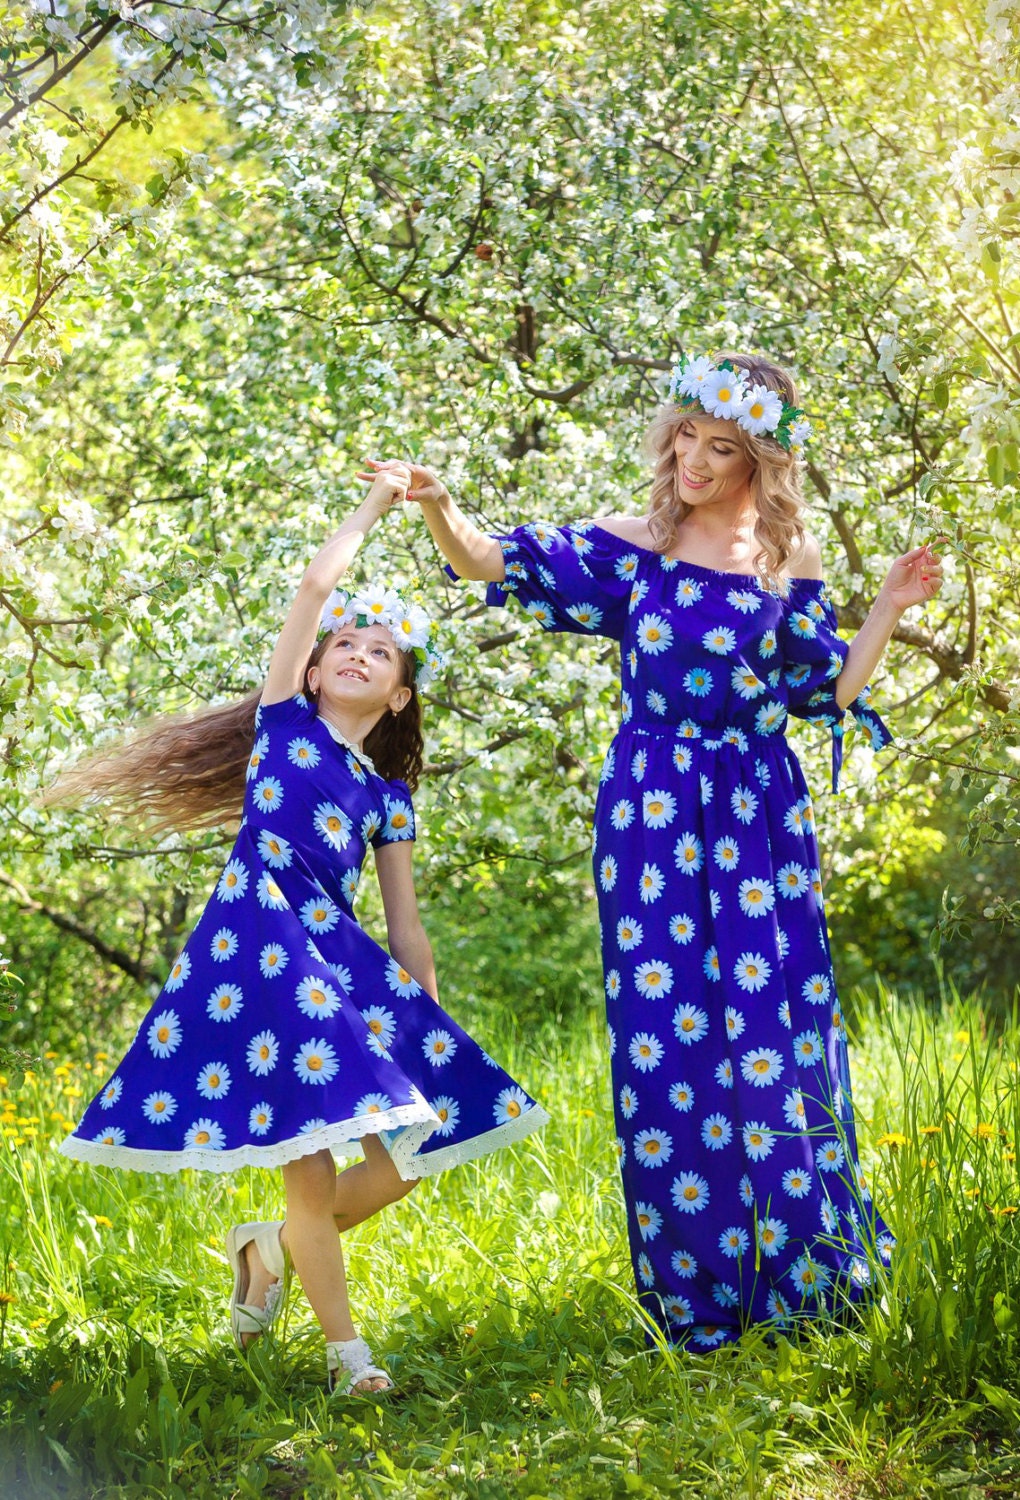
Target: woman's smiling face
(712, 462)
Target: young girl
(284, 1035)
(745, 1198)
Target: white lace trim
(341, 739)
(413, 1125)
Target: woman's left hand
(913, 578)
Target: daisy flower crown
(722, 390)
(408, 624)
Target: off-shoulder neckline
(682, 562)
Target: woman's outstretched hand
(389, 482)
(913, 578)
(423, 484)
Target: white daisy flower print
(303, 753)
(759, 1140)
(745, 683)
(349, 885)
(734, 1242)
(770, 718)
(792, 881)
(439, 1047)
(782, 943)
(710, 963)
(649, 1220)
(400, 981)
(726, 853)
(316, 1062)
(801, 626)
(645, 1051)
(735, 737)
(263, 1051)
(707, 790)
(746, 1190)
(797, 1182)
(817, 990)
(681, 1096)
(179, 971)
(320, 914)
(724, 1074)
(682, 758)
(716, 1132)
(275, 850)
(654, 634)
(510, 1104)
(734, 1022)
(807, 1048)
(715, 903)
(627, 566)
(628, 934)
(720, 641)
(652, 884)
(626, 708)
(653, 1148)
(653, 978)
(586, 615)
(370, 826)
(809, 1277)
(164, 1033)
(698, 682)
(159, 1107)
(225, 1002)
(213, 1081)
(269, 893)
(763, 773)
(678, 1311)
(268, 794)
(255, 759)
(752, 972)
(829, 1217)
(794, 1111)
(762, 1066)
(658, 808)
(448, 1111)
(608, 870)
(682, 928)
(646, 1274)
(688, 592)
(684, 1264)
(382, 1026)
(689, 853)
(112, 1092)
(613, 985)
(273, 959)
(688, 729)
(204, 1135)
(333, 824)
(622, 815)
(639, 765)
(628, 1102)
(311, 1126)
(768, 644)
(690, 1192)
(792, 820)
(399, 820)
(772, 1236)
(223, 946)
(885, 1244)
(829, 1157)
(260, 1118)
(744, 804)
(373, 1104)
(690, 1023)
(316, 999)
(656, 702)
(757, 897)
(778, 1307)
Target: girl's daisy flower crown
(721, 390)
(408, 624)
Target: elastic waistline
(708, 738)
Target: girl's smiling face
(361, 668)
(712, 462)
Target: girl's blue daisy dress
(283, 1028)
(746, 1201)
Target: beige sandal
(246, 1320)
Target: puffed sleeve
(576, 578)
(399, 822)
(814, 654)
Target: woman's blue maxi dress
(283, 1028)
(745, 1198)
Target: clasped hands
(395, 480)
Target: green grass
(500, 1296)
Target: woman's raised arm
(470, 553)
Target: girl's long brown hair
(775, 482)
(188, 772)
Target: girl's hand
(389, 483)
(913, 578)
(424, 485)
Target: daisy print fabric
(282, 1027)
(745, 1198)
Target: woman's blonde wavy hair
(775, 481)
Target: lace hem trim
(412, 1129)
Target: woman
(745, 1197)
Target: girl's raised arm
(470, 553)
(301, 627)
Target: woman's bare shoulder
(807, 562)
(629, 528)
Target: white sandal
(244, 1318)
(348, 1363)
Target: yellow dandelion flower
(1010, 1209)
(49, 1056)
(102, 1222)
(963, 1037)
(892, 1138)
(985, 1132)
(930, 1130)
(6, 1298)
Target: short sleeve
(399, 823)
(814, 655)
(573, 578)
